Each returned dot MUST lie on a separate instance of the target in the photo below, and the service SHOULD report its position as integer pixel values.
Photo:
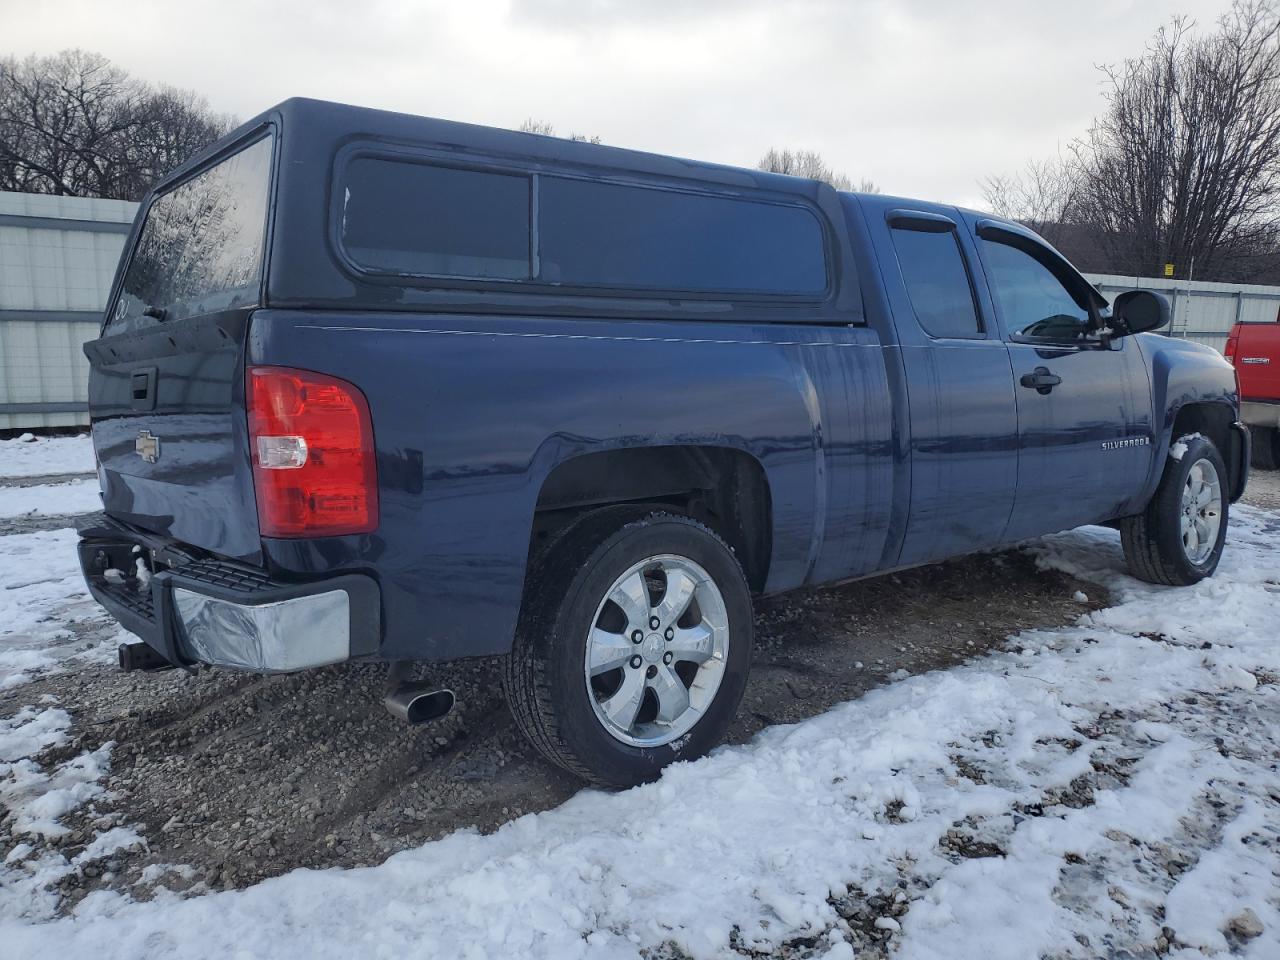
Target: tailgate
(166, 381)
(168, 429)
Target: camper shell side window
(439, 222)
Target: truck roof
(341, 121)
(316, 141)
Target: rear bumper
(201, 610)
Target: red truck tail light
(311, 440)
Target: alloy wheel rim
(1201, 516)
(656, 651)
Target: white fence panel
(1203, 311)
(57, 259)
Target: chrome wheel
(1201, 511)
(656, 652)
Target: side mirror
(1137, 311)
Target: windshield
(200, 249)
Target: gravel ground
(240, 777)
(1264, 489)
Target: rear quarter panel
(472, 413)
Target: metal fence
(57, 258)
(1202, 311)
(58, 255)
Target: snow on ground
(46, 615)
(41, 456)
(45, 611)
(47, 620)
(1104, 788)
(62, 499)
(35, 801)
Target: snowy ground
(1109, 788)
(45, 456)
(61, 499)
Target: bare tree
(176, 124)
(546, 129)
(804, 163)
(1042, 196)
(74, 124)
(540, 127)
(1184, 165)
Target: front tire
(633, 646)
(1178, 539)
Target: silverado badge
(1128, 442)
(147, 446)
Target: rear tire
(591, 698)
(1177, 540)
(1266, 448)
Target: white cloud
(924, 96)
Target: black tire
(1152, 540)
(1266, 448)
(544, 678)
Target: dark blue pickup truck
(374, 386)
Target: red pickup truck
(1254, 349)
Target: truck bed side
(473, 414)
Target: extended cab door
(961, 413)
(1084, 405)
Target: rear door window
(200, 249)
(937, 281)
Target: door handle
(142, 389)
(1040, 380)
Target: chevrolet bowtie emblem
(147, 446)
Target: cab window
(1032, 301)
(937, 281)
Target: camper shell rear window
(411, 218)
(200, 249)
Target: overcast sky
(925, 97)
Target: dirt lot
(243, 777)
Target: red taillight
(311, 440)
(1229, 351)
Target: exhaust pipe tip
(417, 704)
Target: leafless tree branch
(74, 124)
(1183, 167)
(807, 163)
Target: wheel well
(1212, 420)
(724, 488)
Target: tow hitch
(139, 656)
